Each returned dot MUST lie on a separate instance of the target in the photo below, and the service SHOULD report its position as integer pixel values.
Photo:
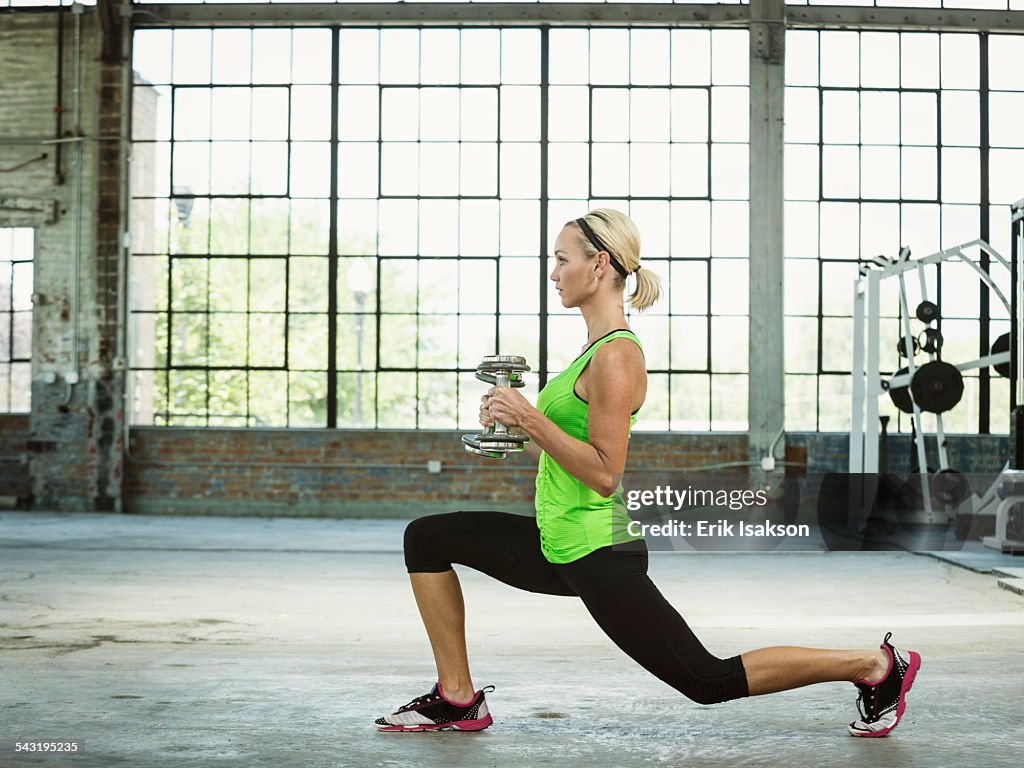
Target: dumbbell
(496, 441)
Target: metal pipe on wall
(71, 376)
(58, 170)
(124, 242)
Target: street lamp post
(360, 280)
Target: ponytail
(648, 289)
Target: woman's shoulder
(621, 351)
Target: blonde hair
(621, 237)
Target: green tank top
(575, 520)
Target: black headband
(596, 241)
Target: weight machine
(933, 387)
(937, 386)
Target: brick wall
(13, 455)
(384, 473)
(354, 473)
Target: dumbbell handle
(501, 379)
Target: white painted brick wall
(28, 95)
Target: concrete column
(766, 407)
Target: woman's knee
(706, 690)
(420, 544)
(710, 680)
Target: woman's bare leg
(783, 667)
(439, 598)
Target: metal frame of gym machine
(868, 384)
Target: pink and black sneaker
(885, 700)
(435, 712)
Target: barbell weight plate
(900, 396)
(937, 387)
(1000, 345)
(927, 311)
(932, 341)
(949, 487)
(901, 346)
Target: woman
(579, 546)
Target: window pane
(880, 117)
(267, 337)
(396, 400)
(307, 342)
(729, 343)
(356, 401)
(919, 57)
(400, 331)
(690, 401)
(839, 58)
(649, 56)
(689, 343)
(840, 118)
(801, 403)
(880, 60)
(801, 114)
(729, 403)
(307, 284)
(437, 400)
(834, 404)
(307, 399)
(918, 118)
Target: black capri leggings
(612, 582)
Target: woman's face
(573, 274)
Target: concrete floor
(189, 641)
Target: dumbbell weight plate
(494, 363)
(515, 379)
(486, 445)
(481, 452)
(505, 442)
(495, 441)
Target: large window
(16, 250)
(300, 266)
(887, 147)
(332, 225)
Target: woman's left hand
(508, 406)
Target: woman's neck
(602, 320)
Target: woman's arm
(532, 450)
(611, 385)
